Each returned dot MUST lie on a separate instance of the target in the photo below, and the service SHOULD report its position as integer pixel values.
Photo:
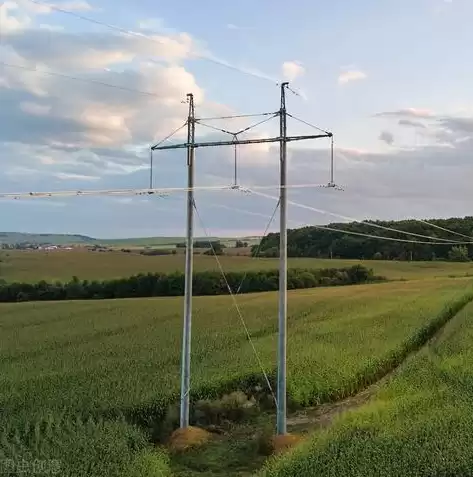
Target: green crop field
(32, 266)
(74, 375)
(419, 424)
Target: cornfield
(76, 374)
(419, 423)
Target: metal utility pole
(186, 336)
(282, 339)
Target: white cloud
(93, 51)
(351, 75)
(410, 113)
(69, 176)
(12, 20)
(292, 70)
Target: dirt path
(319, 417)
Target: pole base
(284, 442)
(186, 438)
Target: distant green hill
(52, 239)
(69, 239)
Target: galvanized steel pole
(186, 336)
(282, 340)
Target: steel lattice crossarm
(241, 141)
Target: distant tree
(378, 256)
(241, 244)
(458, 254)
(365, 241)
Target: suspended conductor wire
(308, 124)
(77, 78)
(251, 126)
(332, 229)
(142, 36)
(235, 116)
(150, 191)
(307, 207)
(370, 224)
(258, 249)
(215, 128)
(443, 228)
(235, 303)
(169, 136)
(241, 131)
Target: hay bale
(188, 437)
(283, 443)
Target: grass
(419, 423)
(87, 365)
(32, 266)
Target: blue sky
(392, 80)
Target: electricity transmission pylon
(191, 145)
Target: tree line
(202, 244)
(204, 283)
(321, 243)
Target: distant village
(33, 246)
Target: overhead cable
(236, 305)
(236, 116)
(370, 224)
(169, 136)
(443, 228)
(148, 191)
(307, 123)
(241, 131)
(307, 207)
(258, 249)
(201, 56)
(78, 78)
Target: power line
(342, 231)
(241, 131)
(370, 224)
(236, 116)
(156, 145)
(258, 250)
(104, 192)
(237, 307)
(443, 228)
(307, 207)
(148, 191)
(307, 123)
(169, 136)
(209, 58)
(77, 78)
